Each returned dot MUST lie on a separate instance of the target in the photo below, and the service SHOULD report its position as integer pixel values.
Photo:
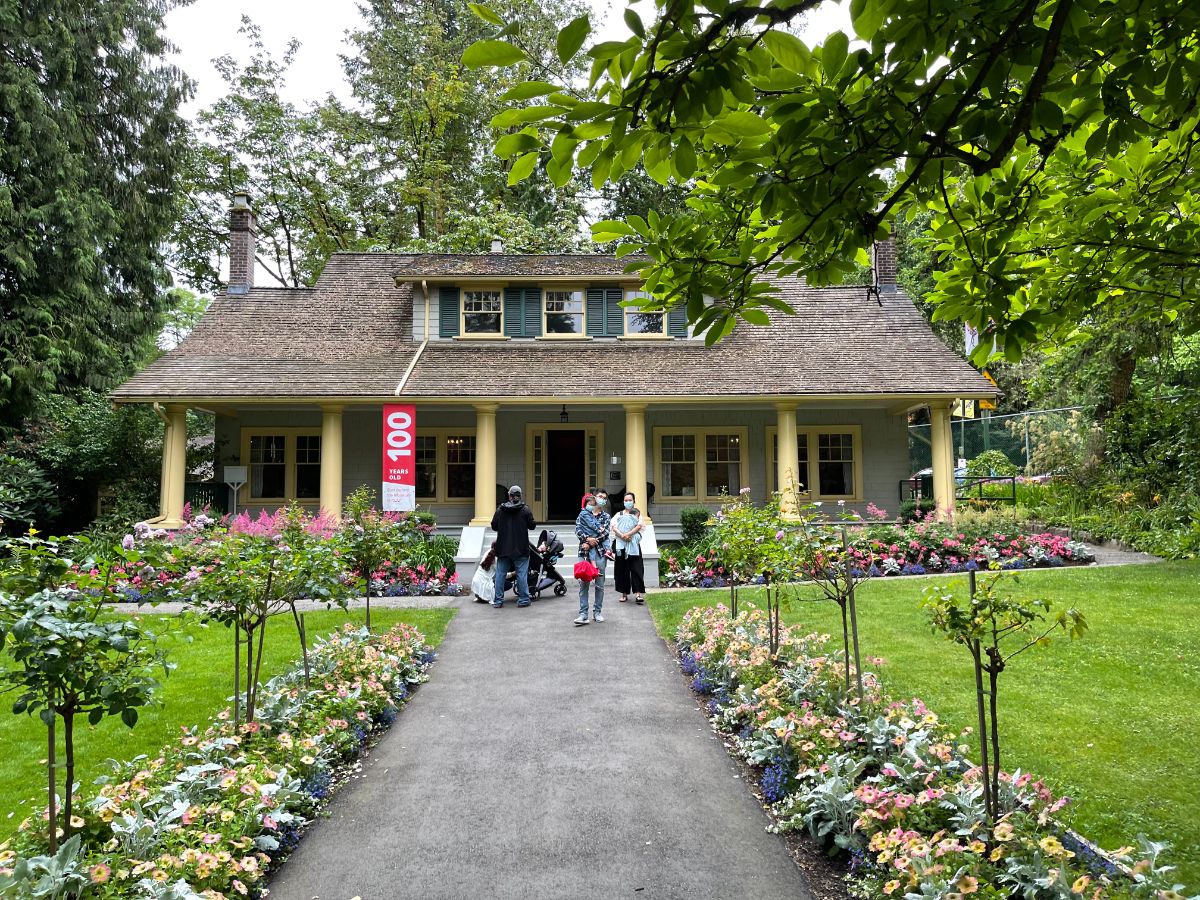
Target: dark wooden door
(565, 473)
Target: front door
(561, 461)
(565, 474)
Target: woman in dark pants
(627, 541)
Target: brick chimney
(242, 231)
(884, 261)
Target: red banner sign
(399, 462)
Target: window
(460, 467)
(835, 464)
(425, 453)
(445, 464)
(678, 464)
(284, 463)
(829, 463)
(700, 464)
(268, 466)
(308, 467)
(482, 312)
(722, 464)
(639, 322)
(564, 312)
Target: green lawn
(195, 691)
(1111, 720)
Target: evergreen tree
(90, 147)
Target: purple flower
(127, 542)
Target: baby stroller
(542, 560)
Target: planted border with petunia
(883, 783)
(214, 811)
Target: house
(528, 370)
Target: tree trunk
(68, 715)
(853, 614)
(50, 755)
(995, 736)
(250, 674)
(262, 634)
(732, 598)
(981, 709)
(237, 671)
(846, 642)
(299, 617)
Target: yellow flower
(968, 884)
(977, 847)
(1003, 832)
(891, 886)
(159, 875)
(1081, 884)
(996, 854)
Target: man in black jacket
(512, 523)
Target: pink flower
(269, 823)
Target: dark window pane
(460, 466)
(308, 481)
(426, 458)
(835, 464)
(267, 467)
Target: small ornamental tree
(741, 536)
(824, 557)
(68, 664)
(994, 629)
(367, 535)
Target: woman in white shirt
(626, 530)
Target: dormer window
(639, 322)
(564, 311)
(482, 311)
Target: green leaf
(787, 50)
(129, 715)
(571, 38)
(634, 21)
(483, 54)
(512, 144)
(833, 53)
(867, 16)
(755, 316)
(485, 13)
(529, 90)
(742, 123)
(95, 715)
(685, 159)
(522, 168)
(610, 230)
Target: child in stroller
(542, 560)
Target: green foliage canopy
(798, 158)
(90, 145)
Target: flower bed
(157, 565)
(211, 814)
(881, 549)
(884, 783)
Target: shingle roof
(511, 265)
(351, 336)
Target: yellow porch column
(174, 467)
(942, 441)
(786, 477)
(331, 460)
(485, 463)
(635, 456)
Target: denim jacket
(592, 526)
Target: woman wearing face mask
(592, 534)
(627, 541)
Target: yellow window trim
(289, 435)
(700, 434)
(559, 289)
(809, 433)
(441, 476)
(463, 334)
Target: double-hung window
(700, 464)
(564, 311)
(829, 464)
(482, 311)
(284, 464)
(445, 464)
(639, 322)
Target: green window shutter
(533, 312)
(514, 318)
(677, 322)
(595, 312)
(614, 314)
(448, 312)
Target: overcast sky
(209, 28)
